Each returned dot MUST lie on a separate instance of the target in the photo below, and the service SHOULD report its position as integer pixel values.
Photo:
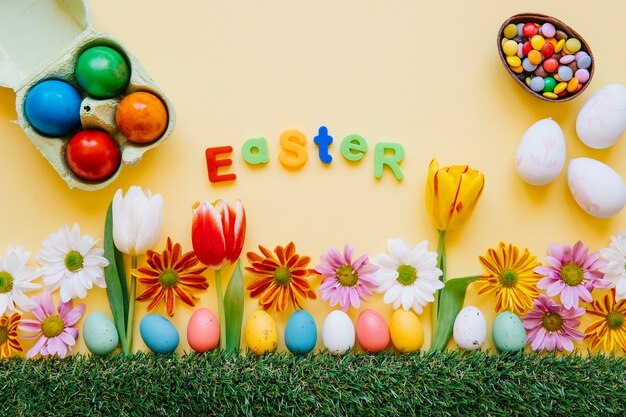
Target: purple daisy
(572, 273)
(551, 326)
(345, 282)
(57, 332)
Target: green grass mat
(449, 383)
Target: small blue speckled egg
(300, 333)
(158, 333)
(509, 334)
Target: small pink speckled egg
(372, 331)
(203, 330)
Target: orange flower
(609, 327)
(281, 278)
(8, 335)
(171, 274)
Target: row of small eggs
(596, 187)
(338, 333)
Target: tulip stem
(220, 306)
(441, 264)
(130, 324)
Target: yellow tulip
(452, 193)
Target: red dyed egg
(93, 155)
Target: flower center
(406, 275)
(552, 321)
(168, 278)
(347, 276)
(73, 261)
(6, 282)
(614, 320)
(52, 326)
(4, 335)
(508, 278)
(282, 275)
(572, 274)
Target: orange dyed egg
(141, 117)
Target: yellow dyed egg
(261, 333)
(406, 331)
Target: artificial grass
(448, 383)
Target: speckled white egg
(602, 119)
(470, 328)
(596, 187)
(540, 155)
(338, 333)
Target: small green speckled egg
(508, 332)
(100, 334)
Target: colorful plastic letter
(293, 153)
(254, 151)
(390, 154)
(353, 147)
(323, 141)
(213, 163)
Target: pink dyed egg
(203, 330)
(372, 331)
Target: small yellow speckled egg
(261, 333)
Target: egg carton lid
(35, 33)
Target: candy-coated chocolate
(548, 30)
(535, 57)
(573, 66)
(509, 47)
(551, 95)
(548, 50)
(520, 29)
(526, 48)
(537, 42)
(52, 107)
(565, 73)
(567, 59)
(540, 72)
(141, 117)
(559, 45)
(528, 81)
(517, 70)
(560, 35)
(572, 85)
(580, 86)
(550, 65)
(563, 93)
(102, 72)
(529, 30)
(556, 77)
(582, 75)
(528, 66)
(560, 87)
(537, 84)
(551, 41)
(584, 62)
(513, 61)
(549, 84)
(573, 45)
(510, 31)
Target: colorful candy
(544, 57)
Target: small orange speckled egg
(141, 117)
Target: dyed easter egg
(338, 333)
(261, 333)
(407, 334)
(52, 107)
(93, 155)
(203, 330)
(102, 72)
(300, 333)
(372, 331)
(596, 187)
(508, 332)
(602, 119)
(141, 117)
(158, 333)
(470, 328)
(540, 156)
(100, 334)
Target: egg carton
(41, 40)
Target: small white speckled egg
(540, 155)
(470, 328)
(338, 333)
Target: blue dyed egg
(52, 107)
(158, 333)
(300, 333)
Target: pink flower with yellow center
(551, 326)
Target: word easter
(293, 153)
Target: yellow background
(423, 74)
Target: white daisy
(408, 277)
(615, 268)
(72, 263)
(16, 279)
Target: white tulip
(137, 220)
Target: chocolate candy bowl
(540, 19)
(36, 52)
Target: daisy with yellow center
(170, 275)
(511, 275)
(8, 335)
(281, 278)
(609, 327)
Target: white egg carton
(41, 40)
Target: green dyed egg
(508, 332)
(100, 334)
(102, 72)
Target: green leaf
(233, 309)
(121, 273)
(451, 301)
(117, 292)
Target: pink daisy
(572, 273)
(345, 282)
(56, 332)
(552, 326)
